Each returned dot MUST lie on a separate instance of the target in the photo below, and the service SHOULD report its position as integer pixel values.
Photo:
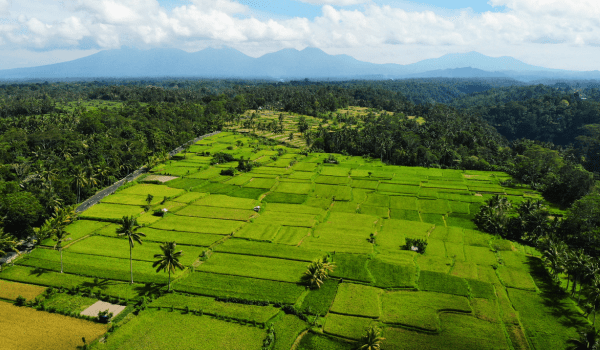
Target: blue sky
(548, 33)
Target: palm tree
(588, 340)
(168, 260)
(593, 294)
(372, 339)
(317, 272)
(59, 236)
(7, 243)
(128, 229)
(553, 257)
(80, 179)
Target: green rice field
(243, 266)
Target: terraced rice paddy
(468, 291)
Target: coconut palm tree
(59, 237)
(7, 243)
(168, 260)
(593, 295)
(372, 339)
(553, 257)
(588, 340)
(317, 272)
(129, 229)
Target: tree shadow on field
(100, 284)
(38, 272)
(148, 289)
(555, 299)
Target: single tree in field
(168, 260)
(129, 229)
(59, 237)
(149, 199)
(317, 272)
(588, 340)
(7, 243)
(372, 339)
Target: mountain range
(285, 64)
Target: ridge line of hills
(284, 64)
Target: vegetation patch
(337, 193)
(259, 232)
(351, 266)
(12, 290)
(27, 328)
(242, 246)
(217, 213)
(218, 285)
(357, 300)
(291, 235)
(318, 301)
(186, 183)
(480, 255)
(420, 309)
(402, 214)
(198, 225)
(261, 183)
(287, 330)
(189, 197)
(255, 266)
(443, 283)
(433, 206)
(158, 191)
(332, 180)
(312, 341)
(111, 212)
(518, 279)
(464, 270)
(393, 274)
(249, 193)
(346, 326)
(290, 198)
(294, 187)
(366, 184)
(152, 329)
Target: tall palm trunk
(130, 264)
(61, 263)
(169, 285)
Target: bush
(416, 244)
(20, 301)
(228, 172)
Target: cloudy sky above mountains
(550, 33)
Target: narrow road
(112, 188)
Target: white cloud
(334, 2)
(4, 7)
(112, 23)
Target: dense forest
(61, 142)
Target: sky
(548, 33)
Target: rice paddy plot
(270, 171)
(278, 218)
(294, 208)
(393, 274)
(12, 290)
(294, 187)
(411, 229)
(313, 341)
(208, 305)
(480, 255)
(436, 206)
(428, 193)
(186, 183)
(130, 199)
(464, 270)
(351, 221)
(476, 238)
(28, 328)
(436, 219)
(399, 188)
(382, 212)
(111, 212)
(346, 326)
(338, 240)
(460, 220)
(455, 251)
(357, 300)
(436, 247)
(335, 171)
(215, 188)
(338, 193)
(119, 248)
(238, 180)
(177, 170)
(401, 214)
(443, 283)
(153, 329)
(198, 225)
(259, 232)
(158, 191)
(402, 202)
(459, 207)
(94, 266)
(332, 180)
(186, 238)
(219, 285)
(319, 300)
(366, 184)
(517, 279)
(351, 266)
(433, 263)
(255, 266)
(269, 250)
(206, 174)
(301, 176)
(420, 309)
(287, 329)
(189, 197)
(249, 193)
(290, 198)
(290, 235)
(344, 207)
(217, 213)
(78, 229)
(261, 183)
(549, 323)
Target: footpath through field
(88, 203)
